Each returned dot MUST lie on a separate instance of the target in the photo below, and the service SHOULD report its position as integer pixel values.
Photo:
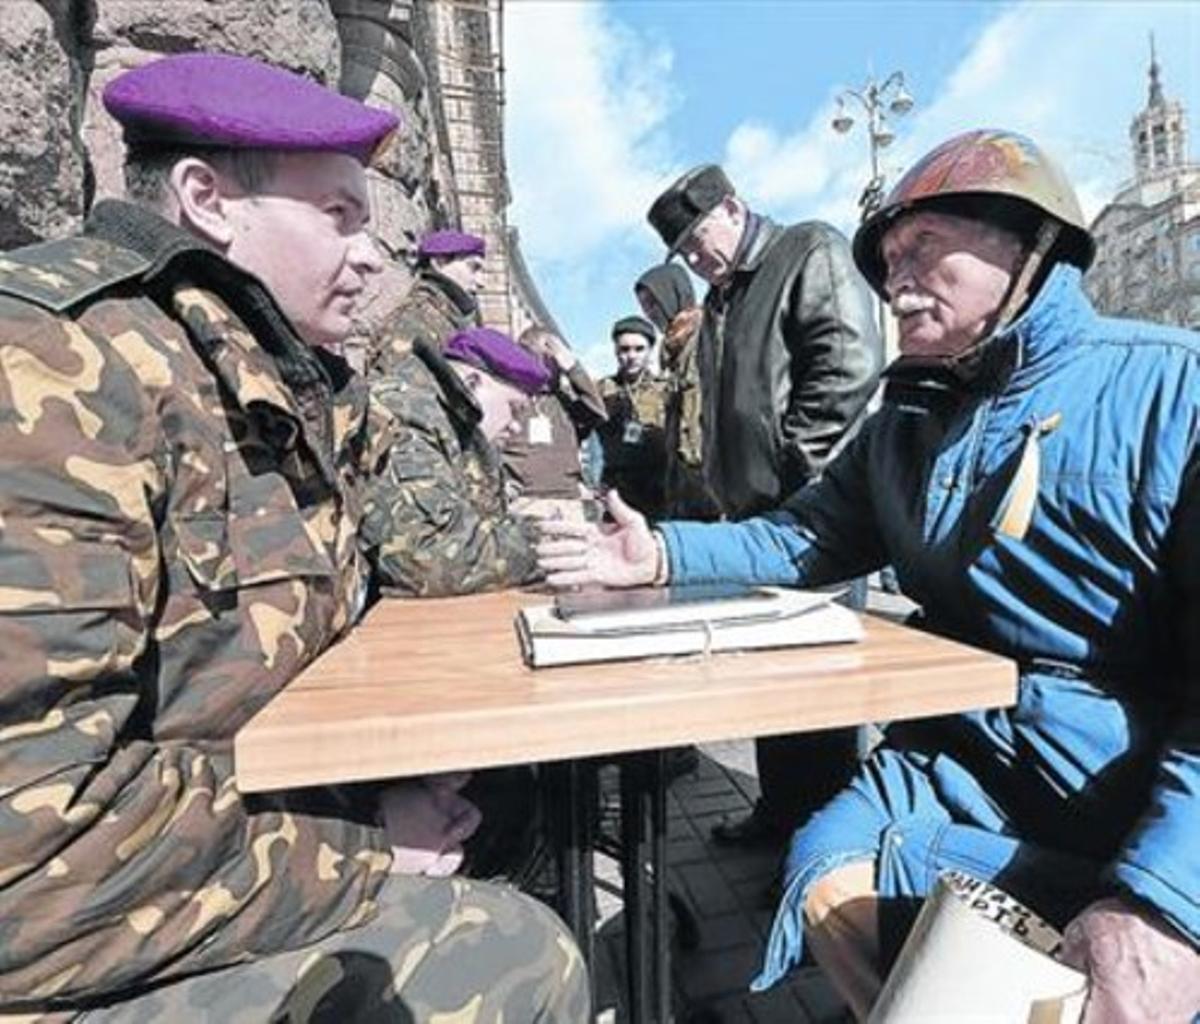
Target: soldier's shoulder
(62, 274)
(415, 319)
(412, 392)
(608, 387)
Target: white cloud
(585, 99)
(590, 143)
(1069, 75)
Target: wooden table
(426, 686)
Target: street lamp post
(877, 100)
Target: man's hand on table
(427, 820)
(622, 553)
(1139, 969)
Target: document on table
(778, 617)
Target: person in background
(788, 357)
(1034, 476)
(183, 456)
(443, 300)
(635, 398)
(437, 519)
(665, 294)
(542, 456)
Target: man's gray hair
(148, 169)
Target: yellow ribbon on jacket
(1016, 510)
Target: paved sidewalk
(726, 890)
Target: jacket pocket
(233, 551)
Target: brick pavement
(725, 889)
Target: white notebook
(774, 617)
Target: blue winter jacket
(1097, 601)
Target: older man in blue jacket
(1033, 477)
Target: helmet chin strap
(964, 364)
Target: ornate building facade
(1148, 238)
(437, 63)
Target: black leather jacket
(789, 357)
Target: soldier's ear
(196, 189)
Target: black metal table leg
(656, 784)
(570, 785)
(588, 790)
(633, 872)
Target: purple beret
(450, 243)
(216, 99)
(496, 353)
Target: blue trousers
(914, 816)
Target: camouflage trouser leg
(452, 951)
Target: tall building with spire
(1148, 238)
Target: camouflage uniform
(434, 309)
(687, 495)
(179, 500)
(437, 520)
(634, 441)
(426, 940)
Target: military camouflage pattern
(419, 960)
(634, 440)
(433, 310)
(178, 540)
(437, 521)
(686, 494)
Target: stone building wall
(61, 150)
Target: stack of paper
(784, 618)
(976, 954)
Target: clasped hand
(1138, 968)
(426, 821)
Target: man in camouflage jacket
(634, 438)
(180, 476)
(443, 299)
(437, 517)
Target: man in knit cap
(182, 456)
(444, 298)
(665, 294)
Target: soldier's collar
(756, 240)
(144, 232)
(176, 253)
(463, 300)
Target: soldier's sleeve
(836, 356)
(583, 401)
(122, 858)
(424, 529)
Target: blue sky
(609, 100)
